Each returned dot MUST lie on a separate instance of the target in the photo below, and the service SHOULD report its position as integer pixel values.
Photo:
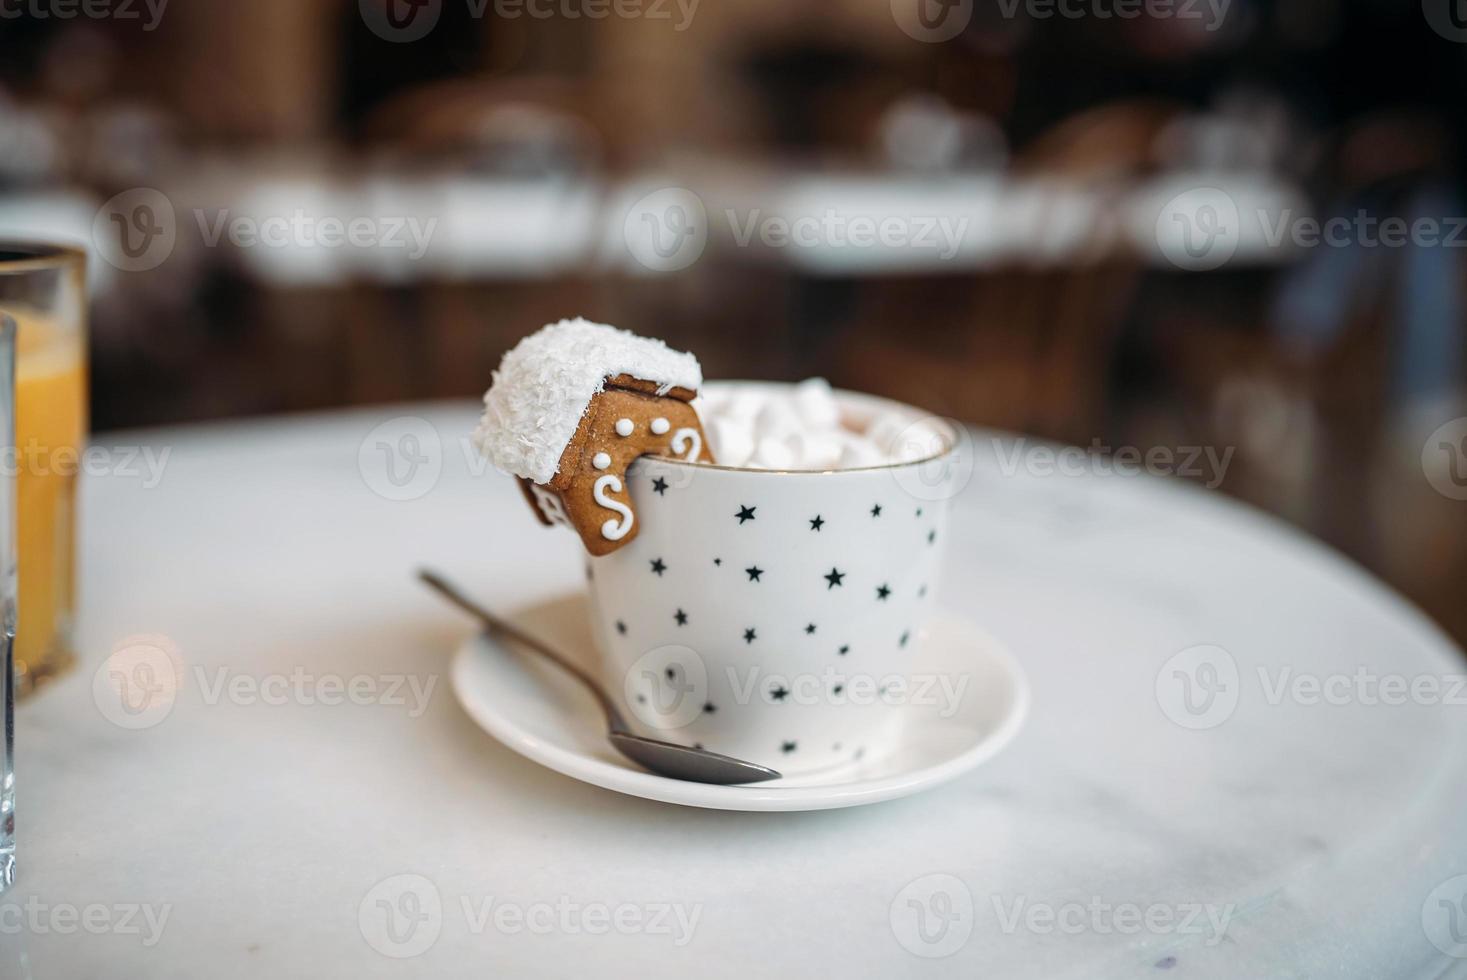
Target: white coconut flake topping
(544, 385)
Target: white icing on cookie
(601, 460)
(660, 426)
(684, 438)
(625, 427)
(613, 530)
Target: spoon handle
(493, 623)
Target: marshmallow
(815, 403)
(800, 429)
(732, 442)
(777, 420)
(772, 454)
(815, 450)
(885, 431)
(859, 451)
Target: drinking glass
(43, 288)
(7, 600)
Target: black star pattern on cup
(931, 536)
(745, 513)
(809, 629)
(671, 673)
(905, 637)
(834, 578)
(621, 627)
(709, 707)
(837, 689)
(659, 487)
(659, 566)
(718, 561)
(681, 617)
(749, 635)
(754, 571)
(788, 747)
(882, 591)
(817, 522)
(845, 648)
(779, 693)
(919, 511)
(876, 510)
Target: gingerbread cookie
(572, 406)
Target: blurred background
(1214, 225)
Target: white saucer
(542, 714)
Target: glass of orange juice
(43, 288)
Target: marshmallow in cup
(799, 427)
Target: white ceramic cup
(773, 615)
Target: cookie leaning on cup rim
(625, 421)
(572, 406)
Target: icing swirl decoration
(684, 438)
(613, 529)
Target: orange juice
(50, 426)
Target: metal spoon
(663, 758)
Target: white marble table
(266, 825)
